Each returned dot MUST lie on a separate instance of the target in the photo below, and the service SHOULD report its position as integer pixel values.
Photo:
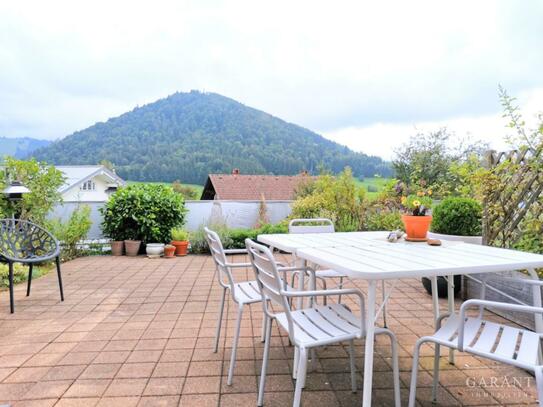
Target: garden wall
(235, 214)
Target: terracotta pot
(181, 247)
(132, 247)
(117, 247)
(416, 227)
(169, 251)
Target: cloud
(323, 65)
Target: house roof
(252, 187)
(76, 174)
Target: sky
(365, 74)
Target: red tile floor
(139, 332)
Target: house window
(88, 186)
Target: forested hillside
(188, 135)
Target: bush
(232, 238)
(458, 216)
(20, 274)
(383, 219)
(72, 232)
(179, 234)
(337, 198)
(187, 192)
(145, 212)
(41, 179)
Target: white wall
(235, 214)
(75, 194)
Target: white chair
(498, 342)
(242, 293)
(310, 327)
(317, 225)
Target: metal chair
(310, 327)
(242, 293)
(317, 225)
(513, 346)
(25, 242)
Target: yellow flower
(404, 200)
(416, 203)
(429, 192)
(420, 193)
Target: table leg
(450, 298)
(435, 300)
(370, 337)
(537, 302)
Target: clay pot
(132, 247)
(416, 227)
(117, 247)
(181, 247)
(169, 251)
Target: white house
(86, 185)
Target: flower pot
(416, 227)
(180, 247)
(169, 251)
(154, 249)
(117, 247)
(132, 247)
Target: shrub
(20, 273)
(457, 216)
(383, 219)
(337, 198)
(43, 181)
(180, 234)
(145, 212)
(71, 232)
(187, 192)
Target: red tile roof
(252, 187)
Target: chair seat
(495, 341)
(247, 292)
(322, 325)
(328, 273)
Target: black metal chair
(25, 242)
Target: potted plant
(154, 249)
(117, 247)
(416, 218)
(169, 251)
(180, 239)
(132, 247)
(456, 219)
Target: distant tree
(188, 193)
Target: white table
(369, 256)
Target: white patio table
(369, 256)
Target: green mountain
(20, 147)
(189, 135)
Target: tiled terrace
(136, 331)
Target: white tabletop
(369, 255)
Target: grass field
(373, 185)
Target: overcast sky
(366, 74)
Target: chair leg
(435, 380)
(539, 384)
(264, 322)
(353, 367)
(29, 279)
(264, 363)
(57, 260)
(11, 299)
(395, 369)
(384, 304)
(300, 377)
(295, 362)
(414, 374)
(219, 322)
(235, 346)
(340, 287)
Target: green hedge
(458, 216)
(232, 238)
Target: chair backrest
(24, 241)
(219, 257)
(318, 225)
(272, 286)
